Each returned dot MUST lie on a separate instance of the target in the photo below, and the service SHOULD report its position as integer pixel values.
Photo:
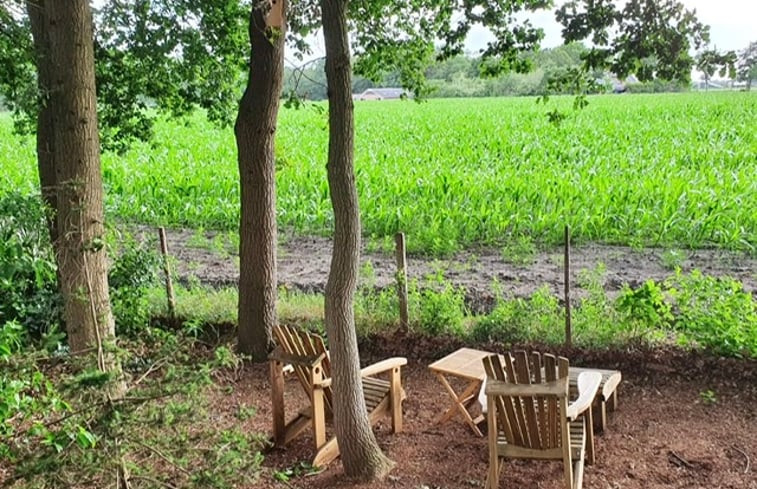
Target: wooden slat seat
(304, 355)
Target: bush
(594, 320)
(715, 313)
(441, 306)
(134, 271)
(28, 282)
(538, 318)
(57, 425)
(645, 308)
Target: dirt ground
(304, 264)
(683, 421)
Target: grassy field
(664, 170)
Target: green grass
(643, 170)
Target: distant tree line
(463, 76)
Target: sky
(733, 24)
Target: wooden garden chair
(529, 415)
(304, 354)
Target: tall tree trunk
(255, 129)
(361, 456)
(80, 250)
(45, 133)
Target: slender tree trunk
(361, 456)
(255, 129)
(80, 248)
(45, 133)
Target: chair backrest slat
(550, 375)
(515, 402)
(320, 347)
(529, 411)
(530, 417)
(537, 371)
(495, 370)
(562, 373)
(289, 344)
(305, 344)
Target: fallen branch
(735, 448)
(164, 457)
(150, 370)
(679, 460)
(94, 405)
(153, 480)
(122, 473)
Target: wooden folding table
(466, 364)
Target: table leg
(459, 402)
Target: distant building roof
(383, 93)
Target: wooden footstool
(607, 395)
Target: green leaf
(85, 439)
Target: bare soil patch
(304, 265)
(665, 434)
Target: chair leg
(319, 417)
(589, 428)
(396, 398)
(277, 402)
(326, 453)
(568, 472)
(601, 418)
(578, 477)
(566, 450)
(492, 477)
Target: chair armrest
(383, 366)
(371, 370)
(588, 383)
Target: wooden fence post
(568, 326)
(400, 255)
(167, 271)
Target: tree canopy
(150, 58)
(746, 67)
(156, 57)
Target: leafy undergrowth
(689, 311)
(58, 428)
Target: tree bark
(361, 456)
(45, 133)
(254, 130)
(80, 250)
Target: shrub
(645, 307)
(441, 306)
(538, 318)
(715, 313)
(28, 281)
(134, 271)
(594, 320)
(57, 427)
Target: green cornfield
(643, 170)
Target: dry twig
(154, 481)
(735, 448)
(150, 370)
(164, 457)
(679, 460)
